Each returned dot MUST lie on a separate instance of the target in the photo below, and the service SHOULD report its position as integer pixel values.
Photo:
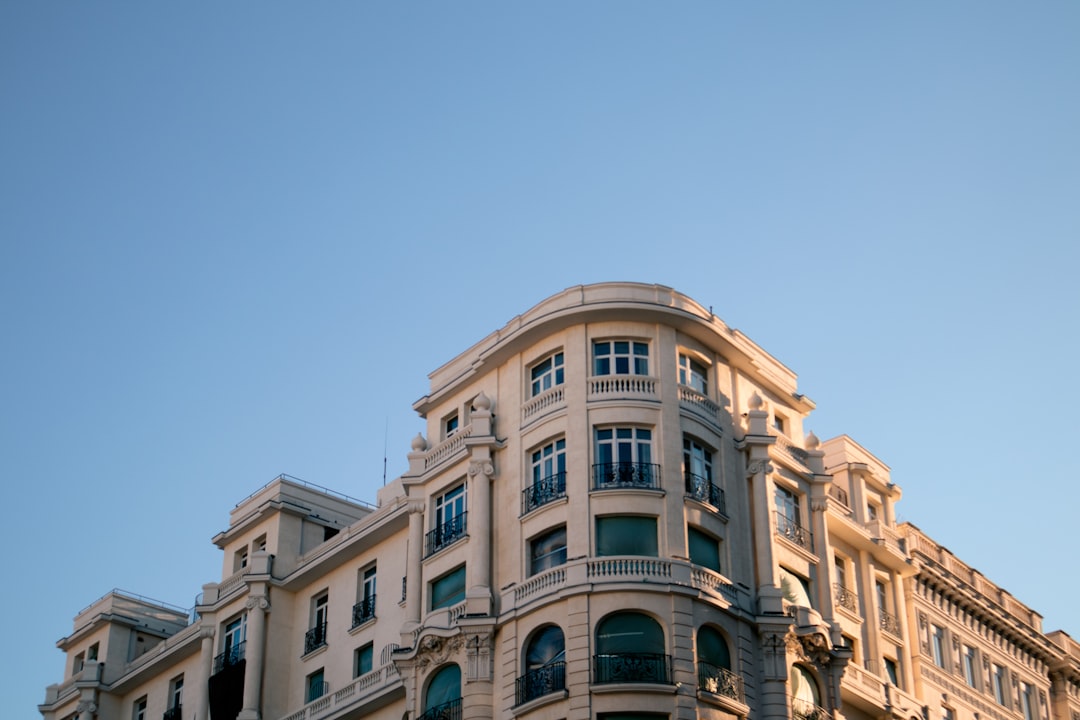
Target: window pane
(449, 589)
(548, 551)
(704, 549)
(712, 648)
(546, 647)
(444, 687)
(629, 632)
(626, 535)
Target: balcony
(632, 668)
(315, 638)
(787, 528)
(889, 623)
(446, 711)
(230, 657)
(619, 475)
(806, 710)
(542, 492)
(539, 682)
(720, 681)
(363, 611)
(846, 598)
(446, 534)
(172, 713)
(703, 490)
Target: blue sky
(235, 238)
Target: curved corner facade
(614, 513)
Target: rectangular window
(91, 653)
(364, 609)
(892, 671)
(779, 423)
(546, 374)
(235, 634)
(449, 519)
(704, 549)
(362, 660)
(449, 589)
(947, 713)
(998, 678)
(450, 425)
(1027, 701)
(548, 550)
(320, 612)
(937, 644)
(548, 476)
(176, 692)
(626, 535)
(970, 665)
(316, 685)
(620, 357)
(138, 712)
(78, 664)
(789, 518)
(624, 458)
(693, 374)
(240, 559)
(840, 568)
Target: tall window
(626, 535)
(1027, 701)
(970, 665)
(892, 671)
(448, 589)
(316, 685)
(620, 357)
(176, 692)
(364, 609)
(714, 665)
(547, 374)
(235, 634)
(545, 665)
(362, 660)
(138, 712)
(704, 549)
(998, 678)
(630, 648)
(693, 374)
(548, 476)
(449, 519)
(443, 692)
(698, 473)
(789, 518)
(624, 458)
(937, 644)
(320, 612)
(547, 550)
(805, 695)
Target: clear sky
(235, 238)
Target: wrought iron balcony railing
(846, 598)
(315, 638)
(447, 711)
(230, 657)
(543, 491)
(449, 532)
(889, 622)
(316, 690)
(787, 527)
(173, 713)
(363, 610)
(704, 490)
(806, 710)
(632, 668)
(626, 475)
(720, 681)
(539, 682)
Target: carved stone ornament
(814, 648)
(257, 601)
(819, 504)
(435, 650)
(86, 706)
(759, 466)
(206, 632)
(417, 507)
(484, 467)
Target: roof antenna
(386, 432)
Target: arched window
(545, 665)
(443, 698)
(630, 648)
(805, 696)
(714, 665)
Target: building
(615, 513)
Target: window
(630, 648)
(320, 611)
(443, 694)
(449, 589)
(78, 664)
(1027, 701)
(92, 652)
(449, 519)
(624, 458)
(548, 550)
(871, 512)
(947, 713)
(546, 374)
(789, 518)
(138, 712)
(450, 425)
(714, 665)
(937, 644)
(795, 588)
(698, 472)
(805, 695)
(997, 677)
(260, 543)
(704, 549)
(548, 476)
(364, 609)
(362, 660)
(235, 635)
(176, 692)
(693, 374)
(620, 357)
(240, 559)
(779, 424)
(316, 685)
(970, 664)
(892, 671)
(626, 535)
(886, 620)
(545, 665)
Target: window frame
(690, 369)
(609, 359)
(451, 599)
(542, 379)
(612, 521)
(557, 554)
(366, 650)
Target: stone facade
(615, 512)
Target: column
(478, 564)
(254, 652)
(206, 663)
(413, 572)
